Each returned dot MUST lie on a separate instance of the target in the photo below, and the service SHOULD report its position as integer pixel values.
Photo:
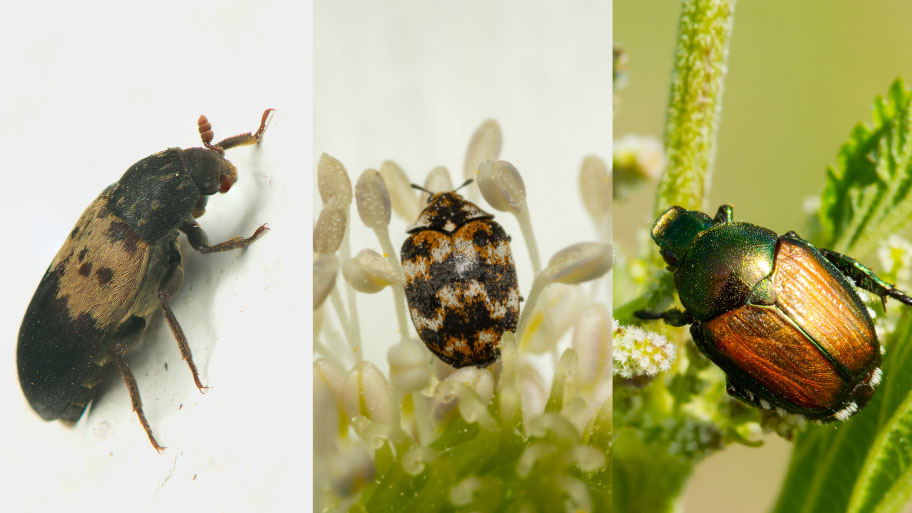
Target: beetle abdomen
(87, 291)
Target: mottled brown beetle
(119, 265)
(460, 280)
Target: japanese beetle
(119, 265)
(781, 317)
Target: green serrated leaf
(866, 191)
(865, 463)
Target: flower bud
(502, 186)
(330, 229)
(563, 375)
(367, 393)
(416, 458)
(373, 199)
(327, 387)
(595, 187)
(533, 390)
(635, 161)
(410, 368)
(351, 469)
(587, 458)
(331, 376)
(448, 392)
(552, 316)
(592, 341)
(324, 267)
(368, 272)
(579, 263)
(484, 145)
(333, 181)
(403, 198)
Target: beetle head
(210, 170)
(675, 230)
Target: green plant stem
(648, 475)
(695, 102)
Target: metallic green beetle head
(675, 230)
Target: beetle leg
(865, 278)
(237, 140)
(134, 398)
(738, 390)
(128, 335)
(724, 215)
(168, 285)
(197, 238)
(672, 316)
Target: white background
(92, 87)
(88, 89)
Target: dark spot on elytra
(85, 269)
(83, 253)
(74, 232)
(85, 323)
(122, 233)
(104, 275)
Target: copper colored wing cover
(791, 349)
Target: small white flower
(638, 352)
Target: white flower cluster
(638, 352)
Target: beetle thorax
(723, 266)
(446, 212)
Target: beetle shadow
(150, 361)
(205, 274)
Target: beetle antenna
(244, 139)
(205, 131)
(467, 182)
(422, 189)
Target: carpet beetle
(460, 280)
(119, 265)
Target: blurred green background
(800, 76)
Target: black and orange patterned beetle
(460, 280)
(119, 265)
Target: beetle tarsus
(248, 138)
(899, 296)
(130, 381)
(172, 280)
(200, 242)
(181, 340)
(235, 242)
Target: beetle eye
(669, 257)
(225, 182)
